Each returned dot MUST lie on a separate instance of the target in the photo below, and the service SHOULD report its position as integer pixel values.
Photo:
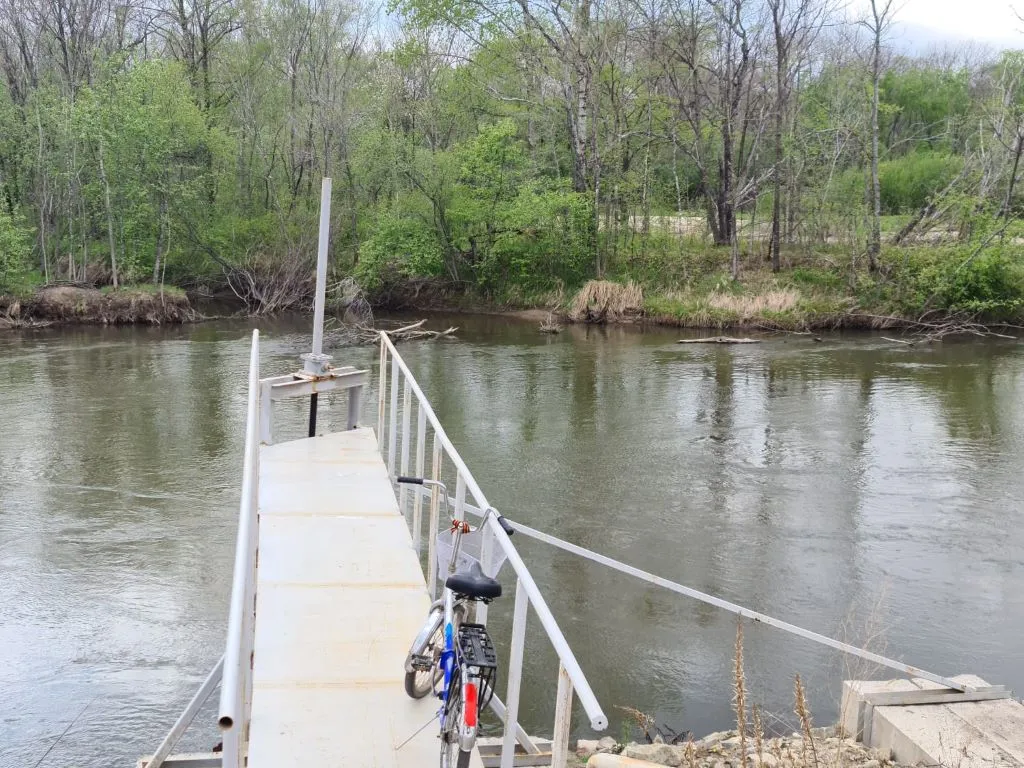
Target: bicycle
(450, 651)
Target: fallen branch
(719, 340)
(900, 341)
(349, 335)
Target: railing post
(486, 554)
(515, 676)
(382, 387)
(393, 417)
(355, 401)
(460, 497)
(417, 502)
(435, 512)
(403, 492)
(563, 719)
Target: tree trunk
(875, 239)
(1008, 202)
(110, 218)
(159, 239)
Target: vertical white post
(435, 511)
(321, 267)
(563, 719)
(515, 676)
(382, 388)
(460, 497)
(403, 492)
(266, 415)
(417, 503)
(486, 553)
(393, 417)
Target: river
(863, 489)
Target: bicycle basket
(469, 553)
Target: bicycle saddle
(472, 582)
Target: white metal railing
(571, 679)
(236, 684)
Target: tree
(878, 25)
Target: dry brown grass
(755, 305)
(739, 690)
(602, 301)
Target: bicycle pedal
(422, 663)
(476, 646)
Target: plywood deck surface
(340, 595)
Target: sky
(990, 21)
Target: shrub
(401, 247)
(15, 252)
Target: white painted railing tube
(460, 465)
(321, 267)
(515, 676)
(231, 715)
(598, 719)
(403, 494)
(393, 415)
(417, 502)
(382, 383)
(435, 512)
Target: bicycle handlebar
(410, 480)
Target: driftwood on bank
(719, 340)
(353, 334)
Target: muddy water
(859, 488)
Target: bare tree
(878, 25)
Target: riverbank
(70, 305)
(817, 748)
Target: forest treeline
(505, 148)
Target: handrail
(236, 684)
(567, 659)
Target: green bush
(400, 248)
(907, 183)
(540, 239)
(15, 252)
(991, 284)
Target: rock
(605, 760)
(871, 764)
(587, 747)
(714, 738)
(607, 744)
(765, 760)
(662, 754)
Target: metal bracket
(303, 384)
(866, 707)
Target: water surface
(861, 489)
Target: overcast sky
(983, 20)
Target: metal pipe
(515, 675)
(321, 267)
(598, 719)
(406, 430)
(739, 610)
(393, 415)
(187, 716)
(435, 512)
(231, 714)
(312, 413)
(382, 381)
(417, 502)
(533, 533)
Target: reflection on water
(855, 488)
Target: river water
(860, 488)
